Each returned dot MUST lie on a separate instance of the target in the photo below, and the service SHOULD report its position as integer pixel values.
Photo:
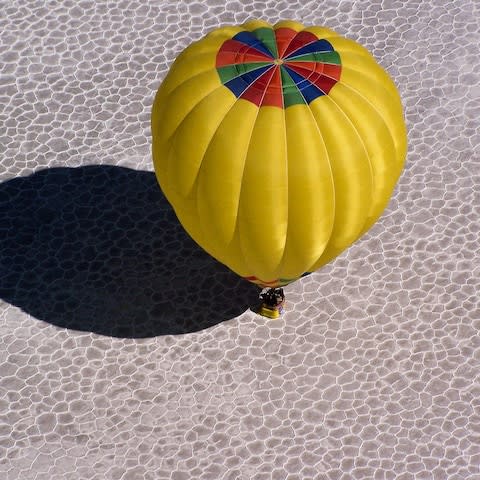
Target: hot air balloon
(277, 146)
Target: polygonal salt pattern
(128, 353)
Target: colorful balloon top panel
(279, 68)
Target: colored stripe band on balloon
(279, 282)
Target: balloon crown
(278, 67)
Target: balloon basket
(273, 301)
(269, 312)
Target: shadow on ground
(99, 249)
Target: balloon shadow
(99, 249)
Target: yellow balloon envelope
(277, 146)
